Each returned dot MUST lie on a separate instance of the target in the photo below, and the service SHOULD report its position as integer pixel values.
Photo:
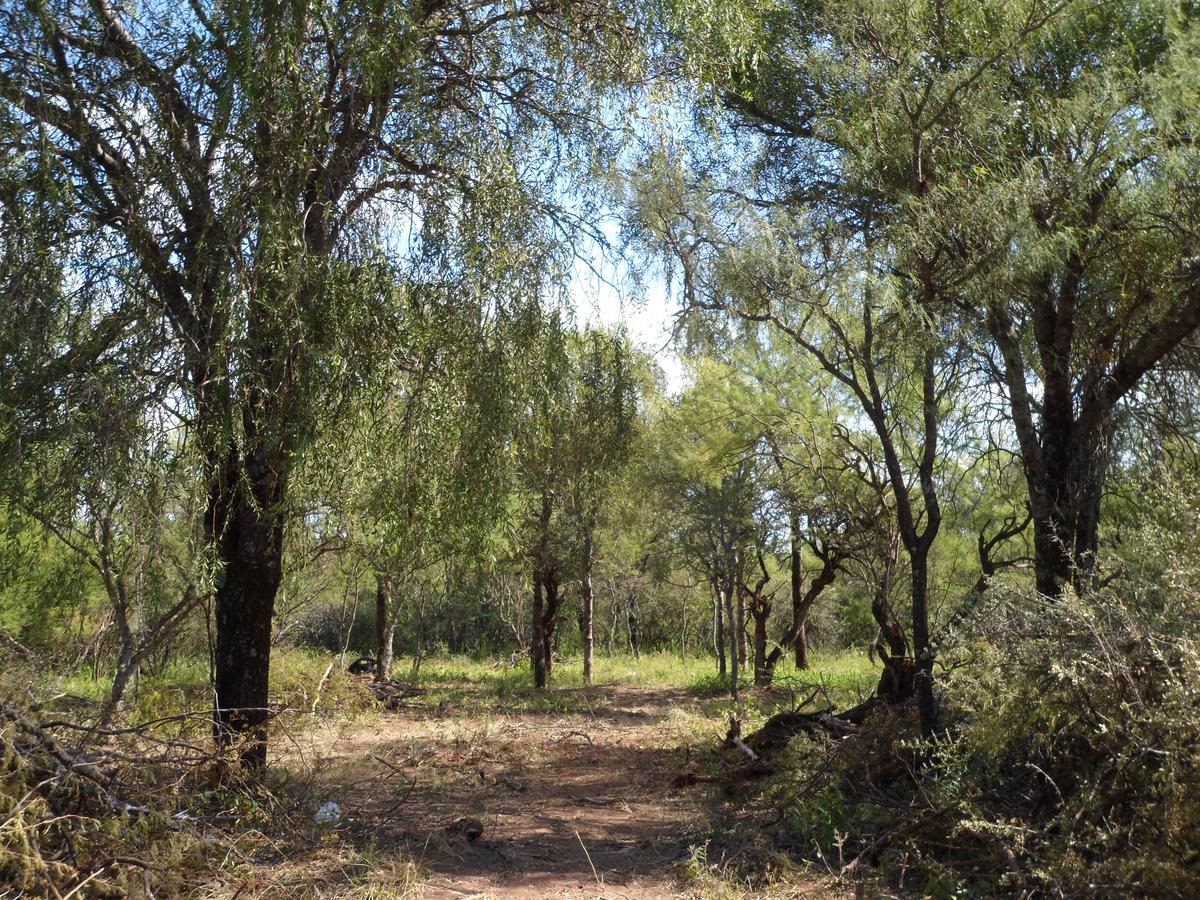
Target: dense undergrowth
(1067, 765)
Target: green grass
(845, 677)
(460, 681)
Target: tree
(717, 479)
(603, 417)
(852, 112)
(233, 177)
(576, 435)
(1089, 189)
(423, 449)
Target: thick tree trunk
(251, 557)
(385, 627)
(589, 638)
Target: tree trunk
(538, 644)
(760, 645)
(385, 627)
(719, 628)
(733, 611)
(127, 665)
(250, 533)
(588, 611)
(926, 700)
(631, 620)
(799, 612)
(743, 638)
(550, 620)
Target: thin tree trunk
(743, 637)
(588, 610)
(550, 624)
(733, 615)
(719, 628)
(537, 646)
(799, 612)
(385, 627)
(631, 620)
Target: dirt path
(496, 804)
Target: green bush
(1079, 742)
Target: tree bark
(742, 636)
(736, 628)
(760, 644)
(589, 638)
(250, 540)
(802, 646)
(550, 619)
(385, 627)
(538, 644)
(799, 610)
(719, 627)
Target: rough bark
(385, 627)
(1066, 444)
(550, 618)
(760, 644)
(251, 555)
(799, 610)
(737, 626)
(539, 645)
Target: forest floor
(470, 792)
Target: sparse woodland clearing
(695, 448)
(476, 800)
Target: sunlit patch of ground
(455, 795)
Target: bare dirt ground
(454, 803)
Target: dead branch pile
(95, 812)
(393, 694)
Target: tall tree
(850, 111)
(235, 176)
(603, 417)
(1079, 230)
